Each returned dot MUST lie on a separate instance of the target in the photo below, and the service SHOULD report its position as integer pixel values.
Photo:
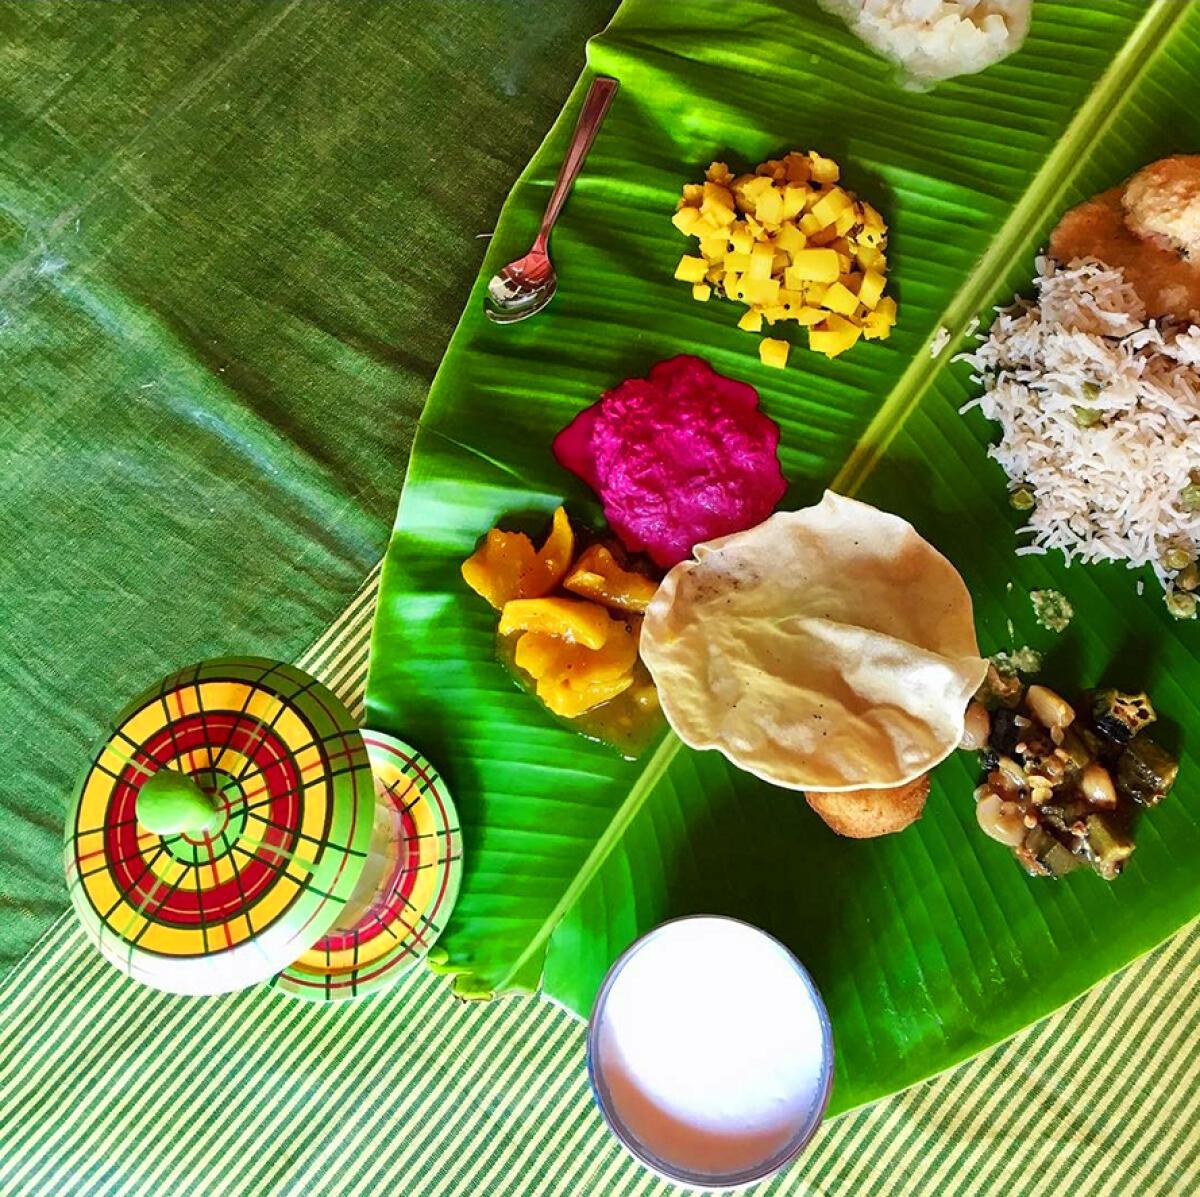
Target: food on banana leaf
(1149, 229)
(572, 620)
(506, 566)
(597, 575)
(1146, 771)
(1052, 609)
(676, 458)
(865, 814)
(629, 720)
(572, 677)
(937, 39)
(1019, 660)
(825, 649)
(1064, 782)
(569, 629)
(1099, 424)
(773, 352)
(1119, 716)
(1162, 203)
(791, 244)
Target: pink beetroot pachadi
(677, 458)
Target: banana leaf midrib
(1045, 193)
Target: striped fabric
(107, 1087)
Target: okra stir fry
(1063, 785)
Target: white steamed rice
(937, 39)
(1110, 491)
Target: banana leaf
(930, 945)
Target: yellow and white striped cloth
(110, 1088)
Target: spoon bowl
(521, 289)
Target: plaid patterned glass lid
(221, 827)
(406, 891)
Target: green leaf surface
(930, 945)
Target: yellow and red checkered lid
(222, 827)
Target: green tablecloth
(234, 240)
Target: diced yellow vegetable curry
(791, 244)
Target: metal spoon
(525, 286)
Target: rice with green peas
(1099, 414)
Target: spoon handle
(591, 116)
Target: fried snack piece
(831, 648)
(865, 814)
(1163, 201)
(1150, 229)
